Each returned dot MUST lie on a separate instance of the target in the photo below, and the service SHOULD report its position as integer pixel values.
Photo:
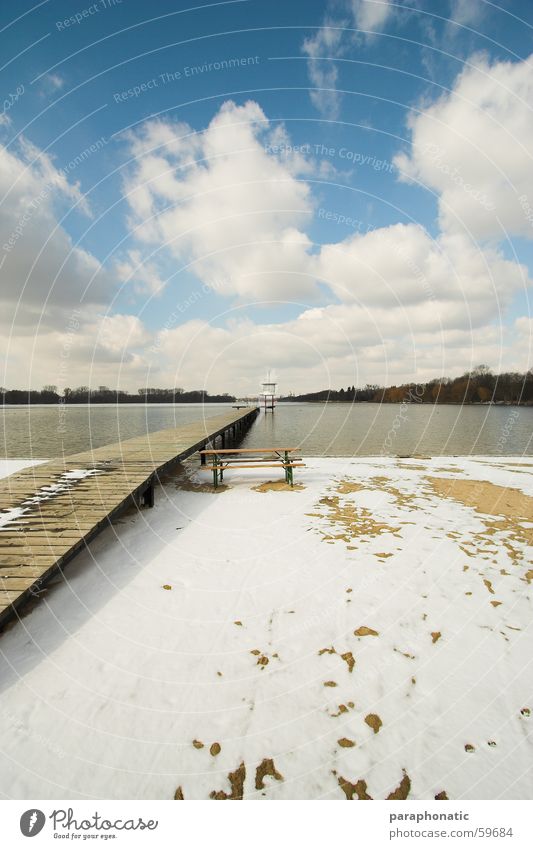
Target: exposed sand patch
(402, 498)
(349, 660)
(354, 521)
(350, 790)
(347, 656)
(486, 497)
(364, 631)
(266, 767)
(403, 789)
(374, 722)
(342, 709)
(360, 788)
(236, 780)
(277, 486)
(345, 487)
(512, 507)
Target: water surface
(335, 430)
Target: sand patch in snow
(236, 780)
(266, 767)
(486, 497)
(364, 631)
(380, 484)
(360, 788)
(350, 790)
(346, 656)
(374, 722)
(492, 500)
(353, 519)
(277, 486)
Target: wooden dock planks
(57, 514)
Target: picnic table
(250, 458)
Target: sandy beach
(361, 636)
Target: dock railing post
(149, 495)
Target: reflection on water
(335, 430)
(50, 431)
(343, 430)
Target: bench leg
(288, 469)
(216, 472)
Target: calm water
(338, 430)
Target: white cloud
(333, 39)
(403, 266)
(371, 14)
(334, 346)
(223, 204)
(44, 274)
(473, 148)
(51, 83)
(323, 73)
(140, 273)
(86, 350)
(468, 13)
(54, 295)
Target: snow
(205, 619)
(64, 483)
(9, 467)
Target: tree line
(479, 386)
(104, 395)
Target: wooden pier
(49, 512)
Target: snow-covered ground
(363, 636)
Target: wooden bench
(228, 458)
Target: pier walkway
(49, 512)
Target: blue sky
(373, 226)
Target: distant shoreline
(135, 403)
(420, 403)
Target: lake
(335, 430)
